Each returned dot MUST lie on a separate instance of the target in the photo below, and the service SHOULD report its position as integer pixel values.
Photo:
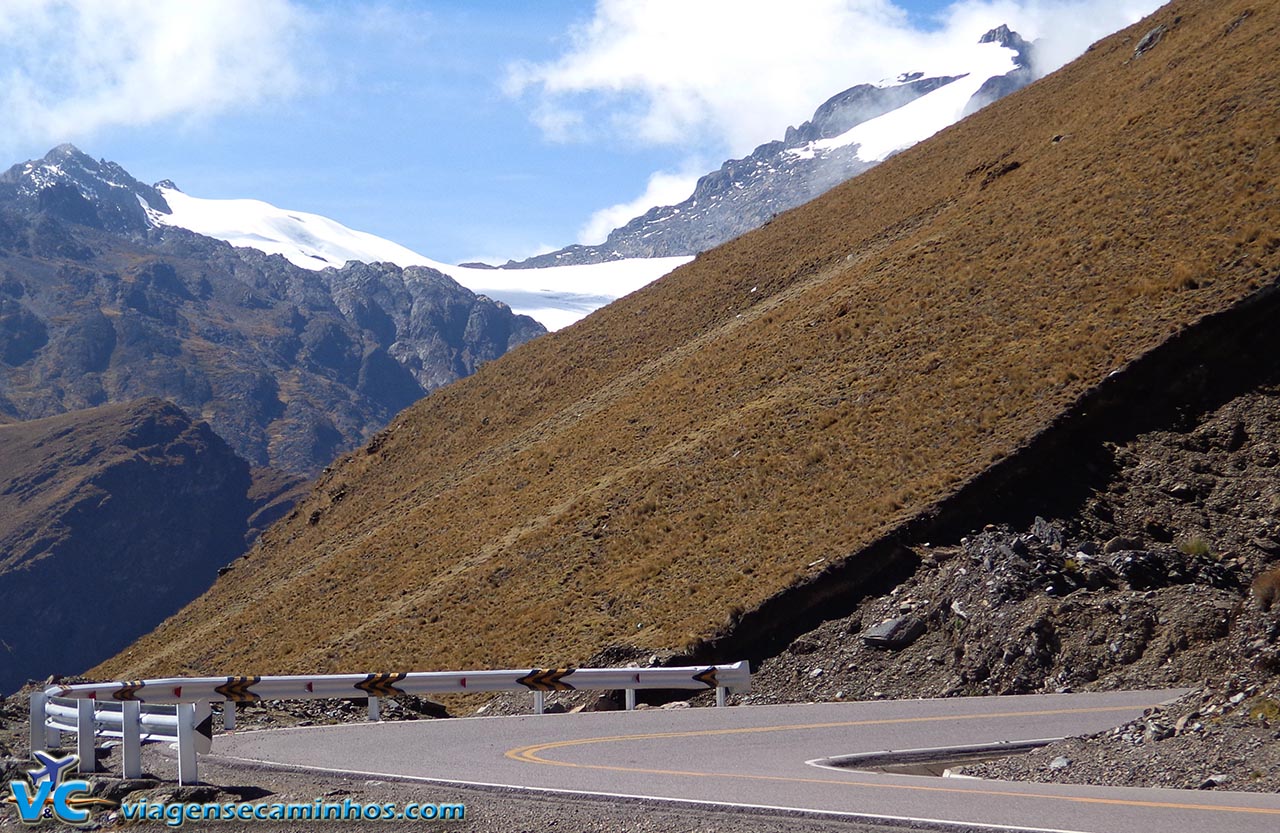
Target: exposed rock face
(110, 520)
(290, 366)
(746, 193)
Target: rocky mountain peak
(1010, 39)
(67, 152)
(1001, 85)
(72, 186)
(1002, 34)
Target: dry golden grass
(694, 448)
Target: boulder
(895, 634)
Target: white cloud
(1064, 28)
(70, 68)
(661, 71)
(663, 189)
(730, 74)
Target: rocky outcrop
(1162, 576)
(111, 519)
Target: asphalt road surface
(769, 757)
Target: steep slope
(135, 502)
(290, 366)
(764, 416)
(848, 134)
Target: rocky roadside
(1165, 577)
(1222, 736)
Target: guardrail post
(131, 738)
(631, 699)
(539, 702)
(375, 709)
(229, 715)
(187, 773)
(39, 735)
(85, 736)
(721, 691)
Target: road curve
(761, 757)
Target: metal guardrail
(177, 709)
(187, 724)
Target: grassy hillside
(782, 401)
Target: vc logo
(50, 796)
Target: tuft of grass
(1196, 547)
(1265, 709)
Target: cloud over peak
(735, 72)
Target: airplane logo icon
(51, 769)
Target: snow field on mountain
(914, 122)
(555, 296)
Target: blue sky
(464, 129)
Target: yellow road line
(533, 754)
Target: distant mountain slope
(134, 503)
(848, 134)
(290, 366)
(784, 407)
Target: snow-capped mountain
(996, 56)
(95, 193)
(848, 134)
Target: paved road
(762, 756)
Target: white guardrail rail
(178, 709)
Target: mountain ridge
(782, 174)
(100, 194)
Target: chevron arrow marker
(237, 689)
(547, 680)
(381, 685)
(127, 691)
